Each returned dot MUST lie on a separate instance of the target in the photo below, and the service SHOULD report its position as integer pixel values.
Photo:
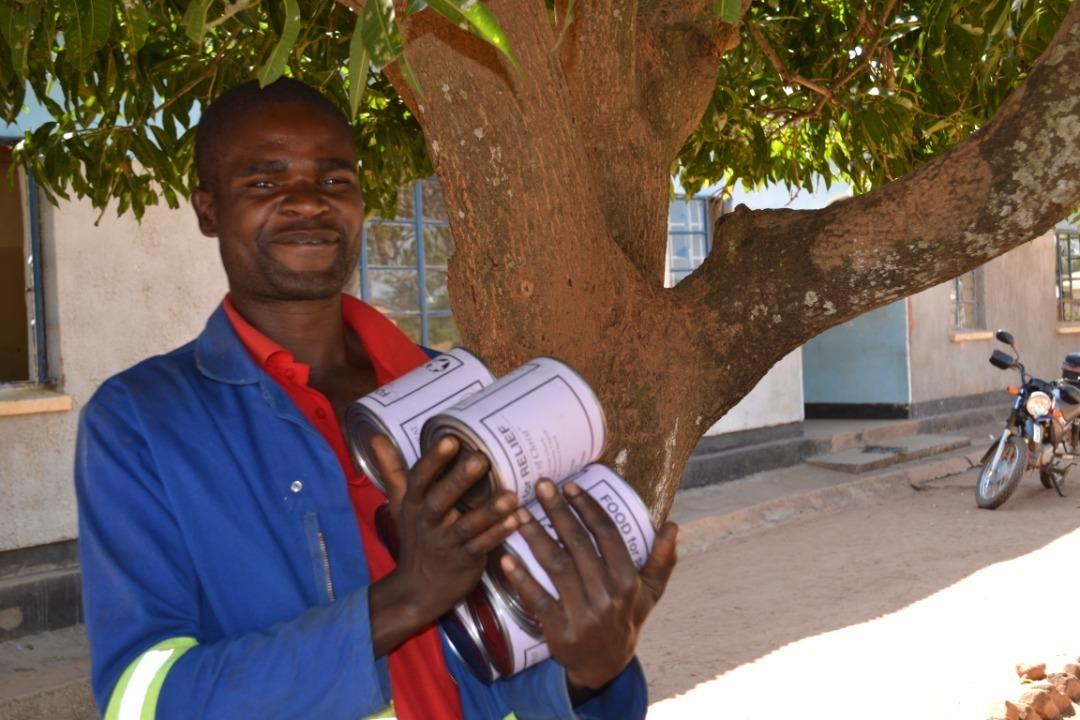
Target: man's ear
(205, 210)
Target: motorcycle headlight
(1038, 404)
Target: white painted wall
(115, 294)
(776, 400)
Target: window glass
(394, 291)
(1068, 275)
(391, 244)
(442, 332)
(688, 237)
(434, 208)
(438, 245)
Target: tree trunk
(557, 184)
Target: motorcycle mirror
(1071, 394)
(1001, 359)
(1005, 336)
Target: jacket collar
(220, 354)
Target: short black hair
(223, 115)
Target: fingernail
(508, 563)
(475, 463)
(511, 522)
(545, 488)
(446, 445)
(505, 503)
(572, 489)
(523, 516)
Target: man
(230, 565)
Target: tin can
(540, 420)
(621, 503)
(510, 646)
(400, 408)
(463, 635)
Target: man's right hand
(442, 552)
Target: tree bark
(557, 183)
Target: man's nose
(303, 200)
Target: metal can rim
(360, 413)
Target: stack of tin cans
(542, 420)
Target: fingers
(392, 469)
(657, 569)
(432, 464)
(616, 558)
(489, 526)
(470, 467)
(557, 562)
(538, 601)
(577, 541)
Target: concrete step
(890, 452)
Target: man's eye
(261, 184)
(337, 181)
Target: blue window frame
(23, 356)
(403, 264)
(688, 237)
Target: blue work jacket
(222, 568)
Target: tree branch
(780, 277)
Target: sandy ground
(915, 607)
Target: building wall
(776, 400)
(115, 293)
(864, 360)
(1019, 296)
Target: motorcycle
(1041, 433)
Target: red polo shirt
(421, 685)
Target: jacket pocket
(320, 559)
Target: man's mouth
(306, 237)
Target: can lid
(438, 426)
(361, 427)
(491, 631)
(499, 584)
(464, 640)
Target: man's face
(285, 205)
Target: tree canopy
(860, 92)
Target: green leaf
(379, 32)
(194, 21)
(137, 24)
(359, 62)
(275, 64)
(17, 27)
(475, 15)
(87, 27)
(730, 11)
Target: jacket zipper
(326, 566)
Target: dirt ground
(915, 607)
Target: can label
(541, 420)
(511, 646)
(400, 408)
(621, 504)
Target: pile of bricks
(1041, 695)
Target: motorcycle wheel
(994, 488)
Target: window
(22, 332)
(403, 266)
(688, 237)
(966, 299)
(1067, 245)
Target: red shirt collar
(391, 352)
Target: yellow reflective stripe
(136, 695)
(385, 714)
(511, 716)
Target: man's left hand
(593, 627)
